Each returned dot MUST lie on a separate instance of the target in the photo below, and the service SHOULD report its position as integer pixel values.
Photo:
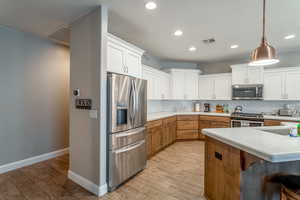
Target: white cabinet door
(292, 84)
(239, 75)
(115, 58)
(164, 86)
(255, 75)
(178, 85)
(273, 85)
(222, 89)
(244, 74)
(206, 88)
(123, 57)
(133, 64)
(191, 84)
(150, 77)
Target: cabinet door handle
(218, 156)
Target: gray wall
(287, 59)
(157, 63)
(151, 61)
(88, 73)
(34, 85)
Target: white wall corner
(87, 184)
(30, 161)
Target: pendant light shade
(265, 54)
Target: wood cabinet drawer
(187, 134)
(220, 124)
(215, 119)
(269, 122)
(187, 117)
(169, 120)
(187, 125)
(152, 124)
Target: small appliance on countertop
(288, 110)
(206, 107)
(197, 107)
(238, 109)
(285, 112)
(219, 108)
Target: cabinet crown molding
(114, 39)
(184, 70)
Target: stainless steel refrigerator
(127, 115)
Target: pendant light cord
(264, 22)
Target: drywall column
(88, 74)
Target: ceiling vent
(61, 36)
(209, 41)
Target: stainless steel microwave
(247, 92)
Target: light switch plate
(93, 114)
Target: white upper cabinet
(206, 88)
(115, 58)
(158, 83)
(134, 64)
(292, 84)
(215, 87)
(123, 57)
(223, 87)
(191, 85)
(149, 75)
(273, 85)
(244, 74)
(282, 84)
(184, 84)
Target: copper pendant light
(265, 54)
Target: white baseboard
(29, 161)
(87, 184)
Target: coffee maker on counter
(206, 107)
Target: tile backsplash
(251, 106)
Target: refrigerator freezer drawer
(125, 163)
(122, 139)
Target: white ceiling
(229, 22)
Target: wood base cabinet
(222, 171)
(160, 134)
(213, 122)
(169, 131)
(187, 127)
(276, 122)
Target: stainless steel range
(239, 119)
(127, 115)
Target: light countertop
(161, 115)
(265, 145)
(275, 117)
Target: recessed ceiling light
(178, 33)
(192, 48)
(151, 5)
(234, 46)
(288, 37)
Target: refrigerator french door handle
(134, 100)
(131, 103)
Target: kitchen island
(237, 160)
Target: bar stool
(287, 194)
